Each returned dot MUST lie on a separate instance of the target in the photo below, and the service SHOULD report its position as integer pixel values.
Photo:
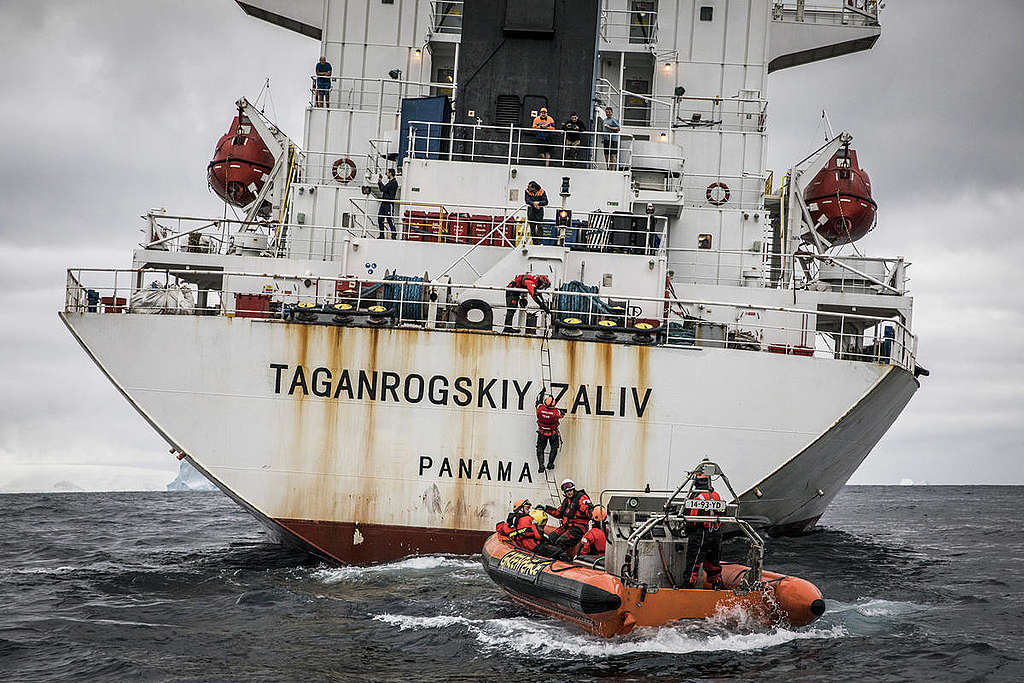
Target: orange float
(610, 602)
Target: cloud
(109, 108)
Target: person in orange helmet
(548, 417)
(520, 527)
(595, 540)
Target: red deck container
(414, 223)
(252, 305)
(113, 304)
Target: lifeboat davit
(649, 577)
(599, 602)
(240, 163)
(842, 193)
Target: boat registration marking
(698, 504)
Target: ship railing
(746, 112)
(378, 96)
(630, 26)
(438, 304)
(513, 145)
(484, 225)
(761, 267)
(446, 17)
(426, 220)
(836, 13)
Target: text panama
(495, 393)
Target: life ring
(349, 176)
(710, 194)
(462, 311)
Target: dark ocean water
(185, 586)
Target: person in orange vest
(705, 538)
(513, 300)
(595, 540)
(547, 430)
(536, 199)
(545, 126)
(520, 526)
(575, 512)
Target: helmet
(567, 485)
(702, 481)
(540, 517)
(549, 401)
(520, 504)
(599, 514)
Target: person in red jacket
(547, 430)
(595, 541)
(513, 300)
(574, 512)
(705, 538)
(520, 527)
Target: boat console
(646, 535)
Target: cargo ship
(351, 361)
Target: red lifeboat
(240, 163)
(842, 193)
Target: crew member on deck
(575, 512)
(515, 300)
(705, 538)
(545, 126)
(386, 209)
(536, 200)
(573, 137)
(547, 430)
(520, 526)
(595, 540)
(323, 82)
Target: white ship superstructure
(359, 388)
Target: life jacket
(538, 196)
(527, 281)
(547, 420)
(575, 511)
(705, 495)
(593, 542)
(546, 122)
(525, 534)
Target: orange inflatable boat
(647, 543)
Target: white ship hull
(394, 441)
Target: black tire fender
(462, 311)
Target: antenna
(828, 126)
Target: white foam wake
(875, 607)
(533, 637)
(416, 563)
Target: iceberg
(190, 479)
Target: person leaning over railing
(545, 126)
(536, 200)
(323, 81)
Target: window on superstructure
(704, 241)
(707, 13)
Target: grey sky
(109, 108)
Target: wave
(541, 638)
(874, 607)
(415, 563)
